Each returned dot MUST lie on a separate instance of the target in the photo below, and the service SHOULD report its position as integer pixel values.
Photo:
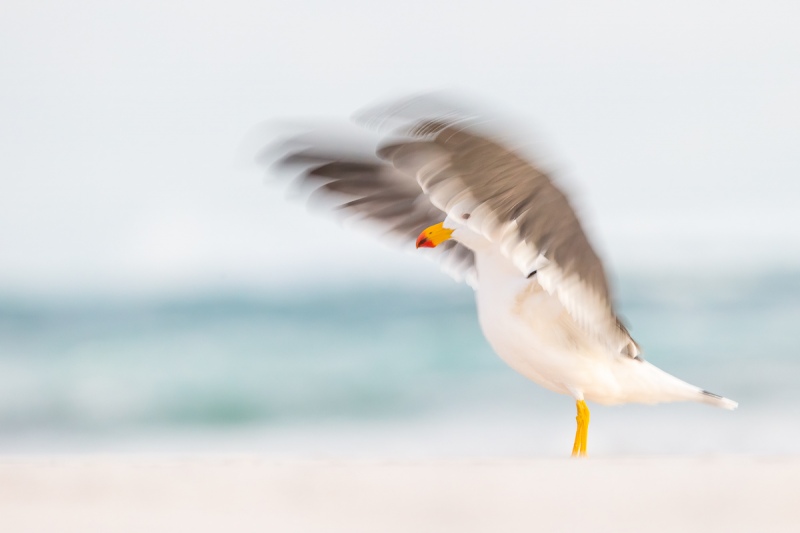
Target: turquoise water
(377, 369)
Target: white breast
(506, 302)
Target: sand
(242, 494)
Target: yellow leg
(576, 447)
(579, 448)
(585, 432)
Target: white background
(675, 124)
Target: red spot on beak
(424, 242)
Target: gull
(495, 220)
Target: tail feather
(650, 384)
(718, 401)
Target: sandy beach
(250, 493)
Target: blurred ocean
(381, 371)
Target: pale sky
(676, 124)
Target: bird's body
(497, 221)
(532, 332)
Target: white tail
(717, 401)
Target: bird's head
(433, 236)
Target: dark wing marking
(372, 191)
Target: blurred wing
(514, 204)
(360, 189)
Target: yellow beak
(433, 236)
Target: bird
(446, 181)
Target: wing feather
(440, 163)
(514, 203)
(371, 190)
